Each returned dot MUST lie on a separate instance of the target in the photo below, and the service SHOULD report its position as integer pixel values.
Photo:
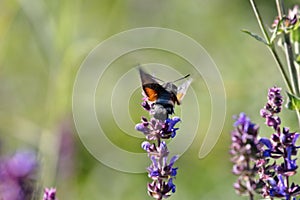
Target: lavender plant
(266, 165)
(245, 151)
(19, 177)
(156, 130)
(284, 34)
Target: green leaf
(295, 35)
(257, 37)
(298, 58)
(293, 102)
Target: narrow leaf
(257, 37)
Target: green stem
(251, 197)
(296, 47)
(281, 68)
(271, 46)
(288, 51)
(289, 56)
(298, 116)
(290, 62)
(259, 20)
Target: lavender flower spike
(273, 107)
(157, 129)
(245, 151)
(278, 150)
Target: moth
(166, 94)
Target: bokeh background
(42, 45)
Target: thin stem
(288, 187)
(259, 20)
(298, 116)
(251, 197)
(281, 68)
(290, 61)
(280, 8)
(289, 56)
(271, 46)
(296, 47)
(285, 155)
(158, 141)
(288, 51)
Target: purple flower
(157, 129)
(290, 20)
(242, 121)
(293, 15)
(267, 152)
(18, 175)
(146, 105)
(49, 194)
(169, 127)
(281, 147)
(273, 107)
(160, 169)
(21, 164)
(245, 151)
(160, 189)
(277, 187)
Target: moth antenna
(182, 78)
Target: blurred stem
(44, 30)
(296, 44)
(294, 86)
(296, 47)
(271, 46)
(288, 50)
(289, 56)
(251, 196)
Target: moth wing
(151, 93)
(150, 86)
(146, 78)
(181, 90)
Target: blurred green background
(42, 45)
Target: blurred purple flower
(21, 164)
(293, 15)
(290, 20)
(67, 158)
(18, 176)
